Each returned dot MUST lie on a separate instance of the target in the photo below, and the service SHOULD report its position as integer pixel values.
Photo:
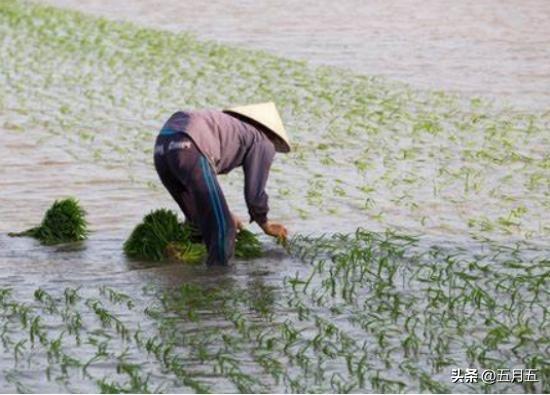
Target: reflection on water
(98, 263)
(273, 324)
(38, 167)
(493, 48)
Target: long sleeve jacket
(228, 142)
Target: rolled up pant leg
(201, 198)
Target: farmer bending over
(194, 146)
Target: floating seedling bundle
(162, 236)
(64, 222)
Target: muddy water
(42, 172)
(37, 167)
(491, 48)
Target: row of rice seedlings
(42, 68)
(309, 352)
(185, 301)
(219, 348)
(14, 313)
(294, 346)
(386, 108)
(61, 365)
(467, 301)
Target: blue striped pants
(190, 179)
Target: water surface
(495, 49)
(79, 112)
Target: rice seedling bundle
(161, 235)
(150, 238)
(64, 222)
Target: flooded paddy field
(448, 269)
(498, 49)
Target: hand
(276, 230)
(237, 221)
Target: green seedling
(407, 308)
(247, 245)
(64, 222)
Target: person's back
(194, 146)
(222, 138)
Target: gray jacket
(228, 142)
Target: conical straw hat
(267, 115)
